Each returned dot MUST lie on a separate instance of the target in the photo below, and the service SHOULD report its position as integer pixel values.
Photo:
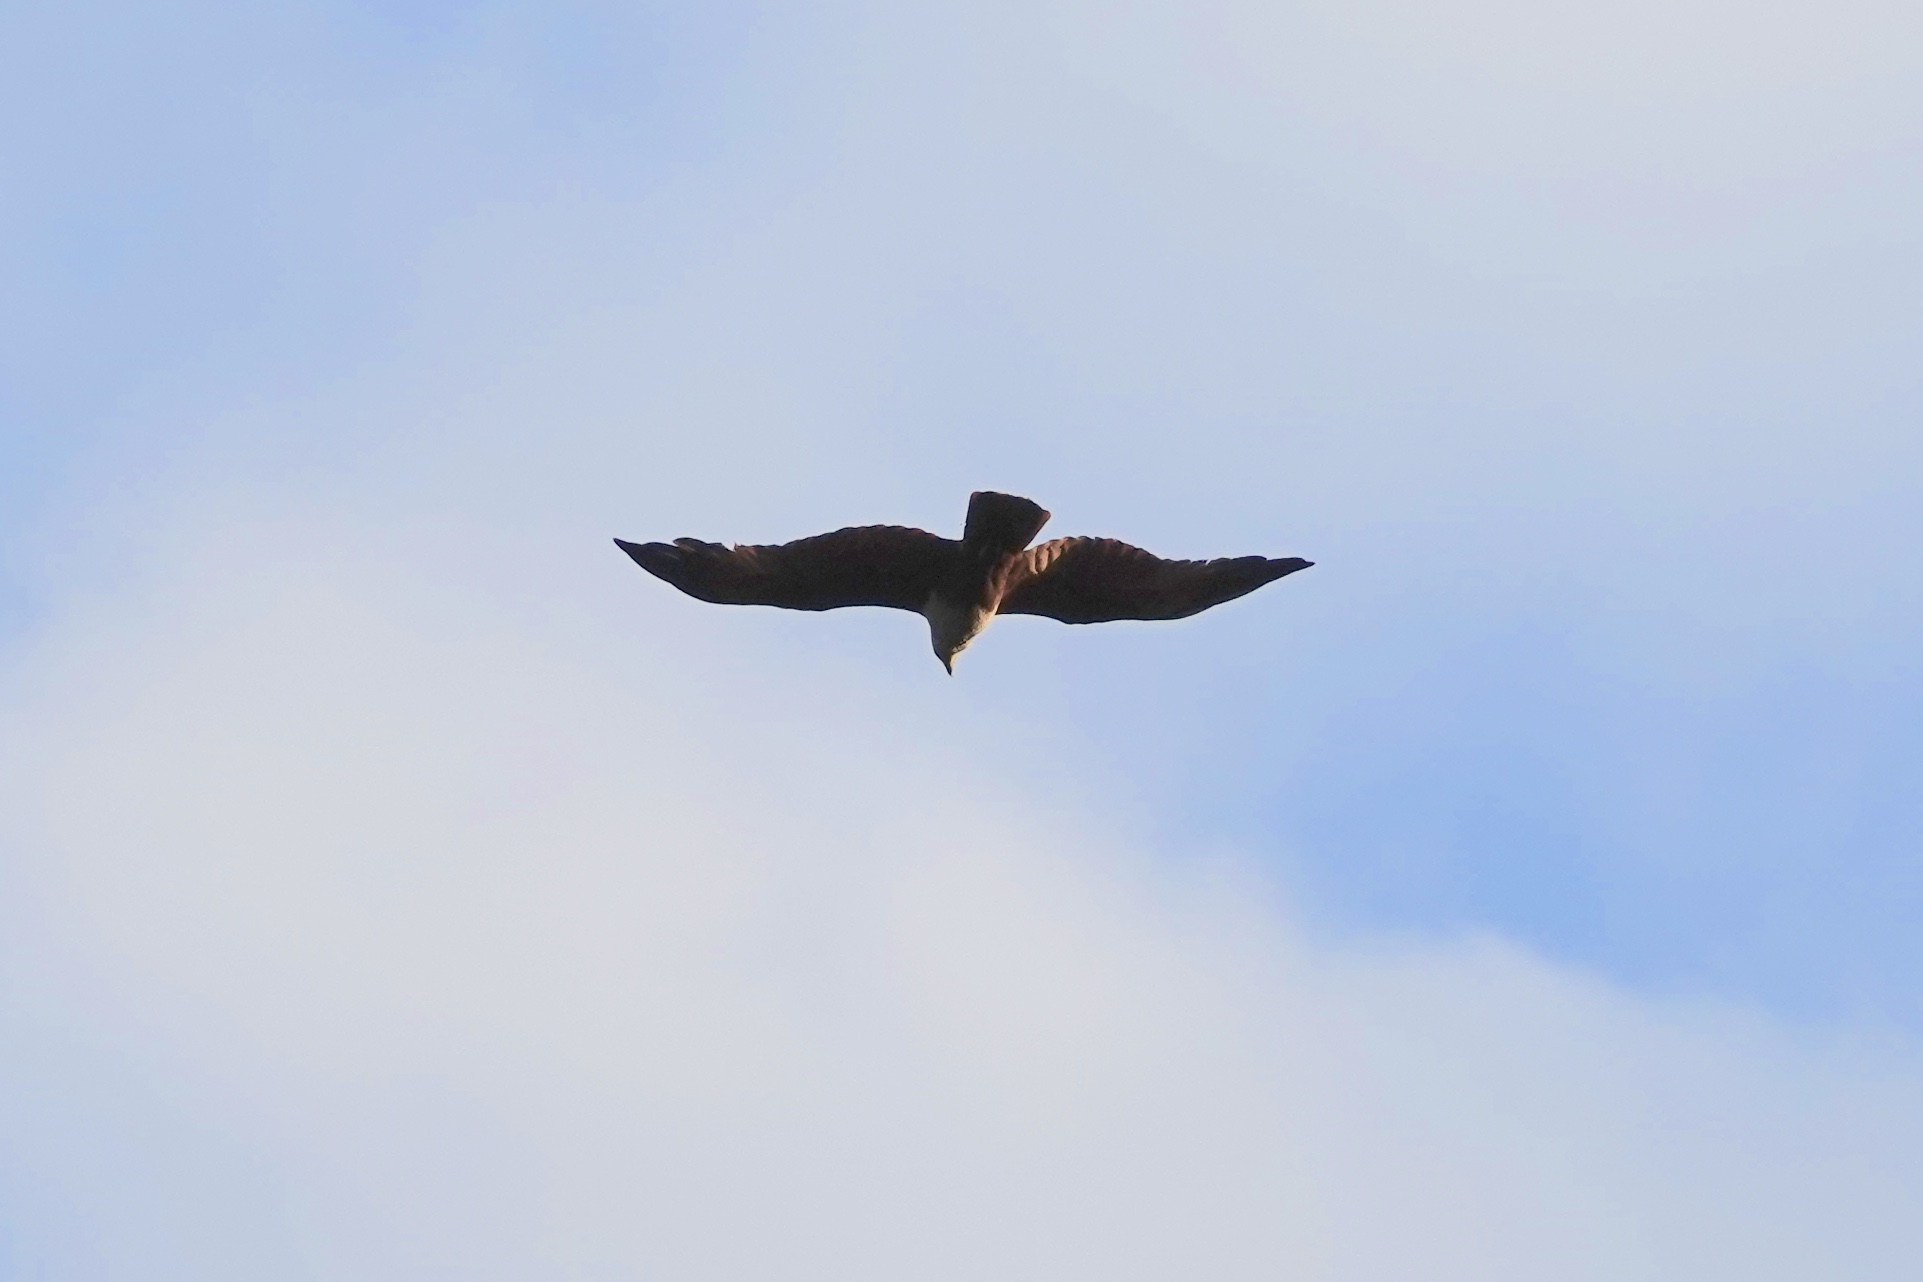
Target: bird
(959, 586)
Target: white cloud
(375, 915)
(400, 885)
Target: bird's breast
(953, 622)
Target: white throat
(951, 627)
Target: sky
(396, 883)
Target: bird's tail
(1000, 524)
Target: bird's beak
(950, 665)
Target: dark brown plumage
(960, 585)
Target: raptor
(960, 586)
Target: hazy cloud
(398, 884)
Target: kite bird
(960, 586)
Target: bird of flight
(960, 586)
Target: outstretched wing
(887, 565)
(1100, 580)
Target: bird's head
(947, 647)
(950, 630)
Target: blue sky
(1576, 346)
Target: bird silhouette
(959, 586)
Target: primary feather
(1084, 580)
(884, 565)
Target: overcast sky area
(396, 883)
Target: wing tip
(656, 558)
(1282, 567)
